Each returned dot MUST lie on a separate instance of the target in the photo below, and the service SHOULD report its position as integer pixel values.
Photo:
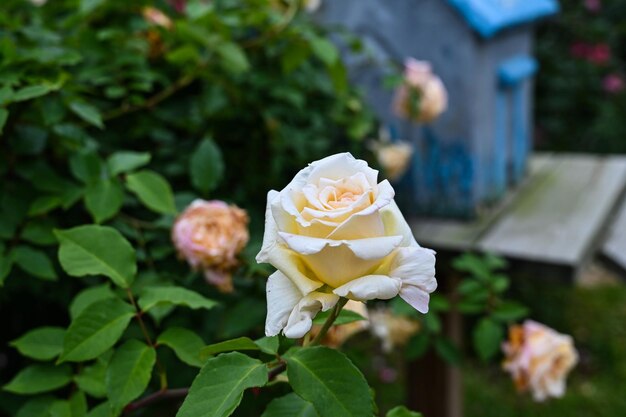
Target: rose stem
(329, 322)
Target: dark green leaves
(509, 311)
(39, 378)
(233, 57)
(206, 167)
(95, 330)
(129, 373)
(290, 406)
(87, 112)
(30, 92)
(402, 411)
(328, 379)
(487, 338)
(126, 161)
(185, 344)
(43, 344)
(152, 296)
(34, 262)
(95, 250)
(152, 190)
(104, 199)
(325, 51)
(219, 387)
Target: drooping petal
(370, 287)
(301, 317)
(415, 267)
(416, 297)
(282, 296)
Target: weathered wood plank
(615, 245)
(463, 235)
(558, 218)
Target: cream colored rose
(422, 96)
(539, 359)
(394, 158)
(209, 235)
(333, 232)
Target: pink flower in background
(593, 5)
(209, 235)
(156, 17)
(179, 5)
(600, 54)
(613, 83)
(422, 97)
(579, 50)
(539, 359)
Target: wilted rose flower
(333, 232)
(422, 96)
(209, 235)
(394, 158)
(156, 17)
(391, 329)
(337, 335)
(539, 359)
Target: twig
(329, 322)
(157, 396)
(274, 372)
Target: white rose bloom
(332, 232)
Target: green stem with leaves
(329, 322)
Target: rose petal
(370, 287)
(370, 248)
(339, 166)
(415, 266)
(416, 297)
(282, 297)
(301, 317)
(395, 224)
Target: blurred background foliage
(581, 85)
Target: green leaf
(4, 115)
(89, 296)
(95, 250)
(44, 204)
(34, 262)
(101, 410)
(104, 199)
(129, 373)
(509, 311)
(6, 264)
(233, 57)
(87, 112)
(126, 161)
(39, 231)
(402, 411)
(268, 345)
(78, 404)
(345, 317)
(95, 330)
(152, 296)
(219, 387)
(241, 343)
(487, 336)
(290, 406)
(152, 190)
(32, 91)
(39, 378)
(92, 378)
(37, 407)
(325, 51)
(206, 167)
(60, 408)
(327, 378)
(448, 351)
(87, 167)
(43, 344)
(185, 344)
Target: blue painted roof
(488, 17)
(516, 69)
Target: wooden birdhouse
(482, 51)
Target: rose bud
(394, 158)
(539, 359)
(209, 235)
(334, 231)
(422, 96)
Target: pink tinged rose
(613, 83)
(209, 235)
(335, 231)
(421, 97)
(539, 359)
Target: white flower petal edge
(291, 311)
(412, 275)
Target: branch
(157, 396)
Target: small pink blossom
(599, 54)
(593, 5)
(613, 83)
